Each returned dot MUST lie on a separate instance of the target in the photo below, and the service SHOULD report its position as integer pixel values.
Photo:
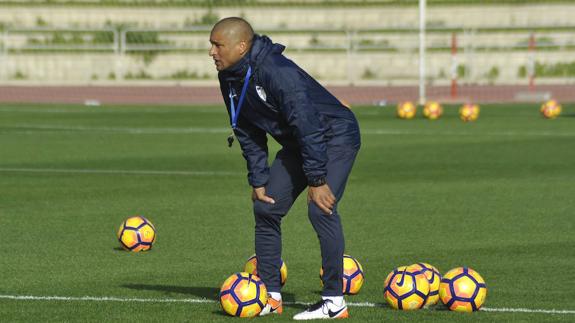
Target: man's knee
(326, 226)
(315, 213)
(266, 211)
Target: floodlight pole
(121, 58)
(422, 5)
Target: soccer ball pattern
(406, 110)
(433, 277)
(406, 288)
(469, 112)
(137, 234)
(432, 110)
(462, 289)
(251, 267)
(243, 295)
(353, 275)
(550, 109)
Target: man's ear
(243, 47)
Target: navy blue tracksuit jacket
(319, 138)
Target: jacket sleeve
(253, 142)
(288, 85)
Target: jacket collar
(262, 46)
(238, 70)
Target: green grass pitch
(497, 195)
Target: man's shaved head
(231, 39)
(237, 29)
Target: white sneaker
(324, 309)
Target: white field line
(527, 310)
(62, 128)
(459, 133)
(34, 128)
(40, 110)
(119, 172)
(204, 300)
(89, 110)
(106, 299)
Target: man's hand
(259, 193)
(322, 197)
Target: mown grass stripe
(120, 172)
(31, 129)
(204, 300)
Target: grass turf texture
(495, 195)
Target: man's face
(225, 51)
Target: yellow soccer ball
(406, 110)
(243, 295)
(462, 289)
(251, 267)
(137, 234)
(406, 288)
(550, 109)
(432, 110)
(353, 275)
(433, 277)
(469, 112)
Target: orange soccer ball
(432, 110)
(550, 109)
(433, 277)
(406, 288)
(243, 295)
(462, 289)
(251, 267)
(406, 110)
(353, 275)
(136, 234)
(469, 112)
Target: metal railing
(125, 42)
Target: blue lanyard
(236, 113)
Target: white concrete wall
(387, 68)
(295, 17)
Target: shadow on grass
(211, 293)
(290, 301)
(352, 303)
(204, 292)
